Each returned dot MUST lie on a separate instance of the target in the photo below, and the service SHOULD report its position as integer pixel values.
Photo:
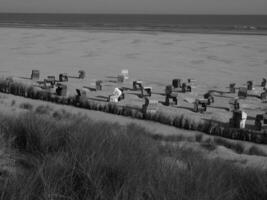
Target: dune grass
(72, 157)
(26, 106)
(43, 109)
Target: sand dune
(186, 139)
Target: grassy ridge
(179, 121)
(75, 158)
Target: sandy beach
(213, 60)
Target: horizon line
(76, 13)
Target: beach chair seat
(258, 122)
(186, 88)
(209, 97)
(249, 85)
(81, 74)
(150, 106)
(137, 84)
(173, 98)
(168, 90)
(177, 83)
(242, 92)
(125, 73)
(260, 119)
(191, 81)
(46, 85)
(50, 80)
(81, 96)
(120, 78)
(147, 91)
(170, 94)
(263, 83)
(96, 85)
(61, 90)
(117, 95)
(265, 118)
(238, 119)
(35, 75)
(263, 95)
(234, 104)
(200, 105)
(63, 77)
(232, 88)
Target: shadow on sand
(136, 94)
(112, 77)
(159, 93)
(77, 77)
(22, 77)
(128, 89)
(186, 108)
(254, 95)
(223, 96)
(219, 91)
(102, 97)
(177, 106)
(219, 107)
(111, 81)
(90, 88)
(96, 99)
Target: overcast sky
(137, 6)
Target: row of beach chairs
(238, 119)
(243, 91)
(63, 77)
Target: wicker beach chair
(35, 76)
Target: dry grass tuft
(75, 158)
(26, 106)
